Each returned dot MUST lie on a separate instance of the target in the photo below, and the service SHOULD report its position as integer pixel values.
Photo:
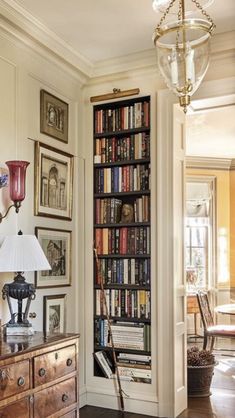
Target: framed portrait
(54, 114)
(54, 314)
(53, 182)
(56, 244)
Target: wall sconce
(20, 253)
(17, 173)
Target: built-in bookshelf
(122, 227)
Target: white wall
(23, 73)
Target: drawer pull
(3, 374)
(42, 372)
(21, 381)
(56, 356)
(64, 397)
(69, 362)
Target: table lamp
(20, 253)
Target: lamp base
(18, 330)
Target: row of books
(122, 118)
(131, 372)
(133, 147)
(108, 210)
(124, 271)
(122, 241)
(128, 335)
(122, 179)
(126, 303)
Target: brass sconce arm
(16, 205)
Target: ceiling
(211, 133)
(103, 29)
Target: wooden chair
(210, 329)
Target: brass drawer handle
(64, 397)
(69, 362)
(3, 374)
(21, 381)
(42, 372)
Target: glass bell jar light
(183, 51)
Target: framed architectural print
(53, 182)
(56, 244)
(54, 114)
(54, 314)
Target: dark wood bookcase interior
(122, 224)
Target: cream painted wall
(22, 74)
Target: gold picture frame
(57, 246)
(53, 182)
(54, 114)
(54, 314)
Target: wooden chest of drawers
(39, 376)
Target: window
(199, 234)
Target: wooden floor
(221, 404)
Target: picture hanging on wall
(53, 116)
(56, 244)
(54, 314)
(53, 182)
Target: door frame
(166, 296)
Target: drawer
(18, 409)
(14, 379)
(49, 401)
(57, 363)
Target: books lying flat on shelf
(128, 335)
(104, 363)
(136, 374)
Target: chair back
(204, 306)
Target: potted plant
(201, 365)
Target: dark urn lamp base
(19, 289)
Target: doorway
(171, 403)
(210, 203)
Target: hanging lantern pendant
(183, 51)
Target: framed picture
(54, 314)
(56, 245)
(53, 182)
(53, 116)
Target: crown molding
(29, 30)
(24, 26)
(209, 163)
(232, 164)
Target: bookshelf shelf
(122, 132)
(124, 194)
(121, 163)
(125, 319)
(124, 350)
(124, 256)
(122, 227)
(123, 286)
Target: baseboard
(82, 397)
(108, 400)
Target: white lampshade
(20, 253)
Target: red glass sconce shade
(17, 173)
